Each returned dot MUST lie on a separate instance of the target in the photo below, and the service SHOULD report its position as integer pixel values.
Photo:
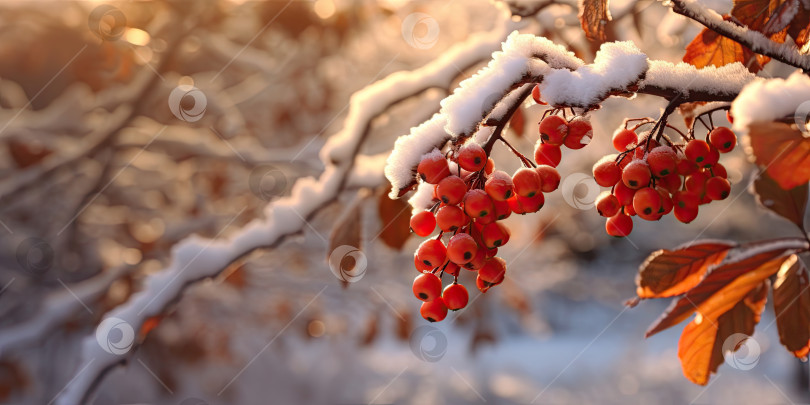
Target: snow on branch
(768, 100)
(197, 258)
(785, 52)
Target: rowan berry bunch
(470, 198)
(653, 176)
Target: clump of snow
(616, 66)
(422, 198)
(683, 77)
(476, 97)
(409, 149)
(767, 100)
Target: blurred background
(126, 127)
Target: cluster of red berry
(651, 180)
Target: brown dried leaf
(594, 15)
(791, 304)
(783, 151)
(789, 204)
(394, 220)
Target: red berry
(549, 178)
(712, 158)
(536, 95)
(606, 172)
(495, 235)
(629, 210)
(455, 296)
(619, 225)
(697, 151)
(531, 204)
(717, 188)
(526, 182)
(482, 285)
(546, 154)
(423, 223)
(433, 167)
(432, 253)
(472, 157)
(477, 261)
(624, 139)
(666, 202)
(489, 167)
(434, 311)
(671, 182)
(723, 139)
(452, 269)
(420, 267)
(427, 287)
(685, 214)
(662, 161)
(477, 203)
(461, 248)
(502, 210)
(636, 174)
(607, 205)
(720, 171)
(624, 194)
(580, 133)
(451, 190)
(697, 182)
(686, 167)
(451, 217)
(553, 130)
(686, 199)
(646, 202)
(499, 186)
(493, 271)
(515, 206)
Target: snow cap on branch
(768, 100)
(728, 79)
(617, 65)
(409, 149)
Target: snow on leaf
(594, 15)
(783, 151)
(791, 304)
(703, 341)
(668, 273)
(768, 100)
(789, 204)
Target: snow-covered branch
(619, 69)
(785, 52)
(196, 258)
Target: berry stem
(500, 125)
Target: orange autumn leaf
(713, 293)
(712, 49)
(668, 273)
(754, 13)
(704, 340)
(791, 303)
(593, 16)
(783, 151)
